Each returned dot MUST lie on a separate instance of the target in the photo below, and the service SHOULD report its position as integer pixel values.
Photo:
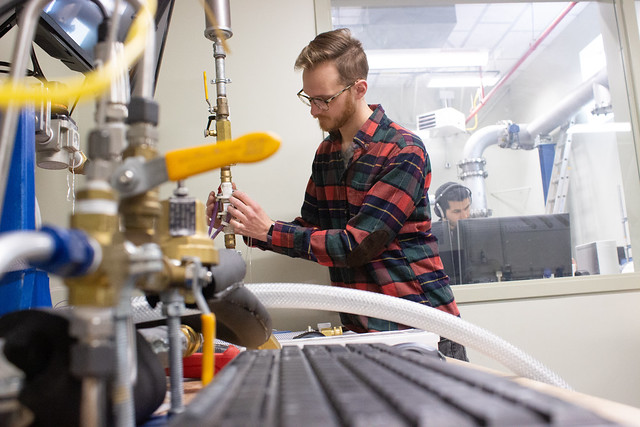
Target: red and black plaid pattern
(369, 222)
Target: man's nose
(314, 110)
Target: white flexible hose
(24, 246)
(331, 298)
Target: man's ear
(360, 87)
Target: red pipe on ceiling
(517, 65)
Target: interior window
(525, 104)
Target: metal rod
(173, 307)
(27, 24)
(145, 73)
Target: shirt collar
(365, 134)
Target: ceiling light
(463, 81)
(404, 59)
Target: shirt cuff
(270, 233)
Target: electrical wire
(474, 100)
(37, 71)
(103, 10)
(96, 81)
(73, 107)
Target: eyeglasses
(322, 104)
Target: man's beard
(333, 125)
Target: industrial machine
(122, 239)
(90, 365)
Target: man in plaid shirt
(366, 212)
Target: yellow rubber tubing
(93, 83)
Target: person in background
(366, 211)
(452, 203)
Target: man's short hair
(449, 191)
(340, 47)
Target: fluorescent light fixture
(462, 81)
(599, 127)
(411, 59)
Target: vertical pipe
(126, 361)
(145, 73)
(93, 403)
(27, 27)
(218, 27)
(217, 19)
(173, 307)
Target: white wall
(267, 38)
(586, 334)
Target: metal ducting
(472, 167)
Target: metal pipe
(566, 108)
(126, 360)
(472, 167)
(24, 246)
(92, 360)
(223, 133)
(517, 65)
(219, 56)
(27, 24)
(218, 11)
(145, 72)
(173, 307)
(93, 406)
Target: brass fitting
(331, 332)
(140, 214)
(230, 241)
(176, 248)
(96, 289)
(197, 245)
(79, 168)
(194, 340)
(225, 176)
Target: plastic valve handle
(248, 148)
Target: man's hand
(248, 218)
(211, 201)
(211, 204)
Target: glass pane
(525, 104)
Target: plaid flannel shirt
(369, 222)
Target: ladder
(559, 182)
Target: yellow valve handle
(209, 333)
(249, 148)
(206, 90)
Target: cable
(103, 10)
(96, 81)
(37, 71)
